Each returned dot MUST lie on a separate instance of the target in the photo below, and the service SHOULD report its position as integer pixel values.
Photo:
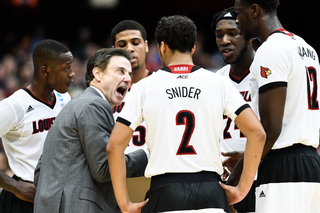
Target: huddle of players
(279, 81)
(280, 77)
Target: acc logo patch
(265, 72)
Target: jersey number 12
(312, 93)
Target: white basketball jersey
(231, 139)
(24, 124)
(287, 60)
(182, 106)
(138, 139)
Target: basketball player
(183, 118)
(238, 54)
(26, 117)
(284, 86)
(132, 36)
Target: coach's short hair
(178, 32)
(47, 51)
(101, 59)
(127, 25)
(268, 6)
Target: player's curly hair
(268, 6)
(101, 59)
(178, 32)
(127, 25)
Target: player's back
(294, 63)
(183, 107)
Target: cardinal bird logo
(265, 72)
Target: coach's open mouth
(122, 90)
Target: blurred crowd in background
(16, 67)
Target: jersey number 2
(312, 94)
(185, 117)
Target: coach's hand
(134, 207)
(24, 190)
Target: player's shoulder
(62, 97)
(224, 71)
(16, 102)
(18, 96)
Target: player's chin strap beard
(242, 52)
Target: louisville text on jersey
(118, 108)
(42, 125)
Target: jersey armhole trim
(243, 107)
(124, 121)
(273, 84)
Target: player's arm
(250, 126)
(23, 190)
(271, 107)
(118, 141)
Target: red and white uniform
(138, 139)
(182, 106)
(231, 138)
(24, 123)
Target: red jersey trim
(181, 68)
(238, 80)
(51, 105)
(281, 30)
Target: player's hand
(24, 191)
(234, 194)
(232, 210)
(232, 159)
(226, 173)
(134, 207)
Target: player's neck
(269, 23)
(239, 68)
(180, 58)
(139, 74)
(41, 91)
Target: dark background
(85, 29)
(62, 19)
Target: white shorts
(288, 197)
(289, 181)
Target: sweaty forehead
(66, 55)
(128, 35)
(64, 58)
(226, 24)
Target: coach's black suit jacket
(73, 172)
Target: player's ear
(162, 47)
(193, 49)
(147, 47)
(255, 10)
(45, 70)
